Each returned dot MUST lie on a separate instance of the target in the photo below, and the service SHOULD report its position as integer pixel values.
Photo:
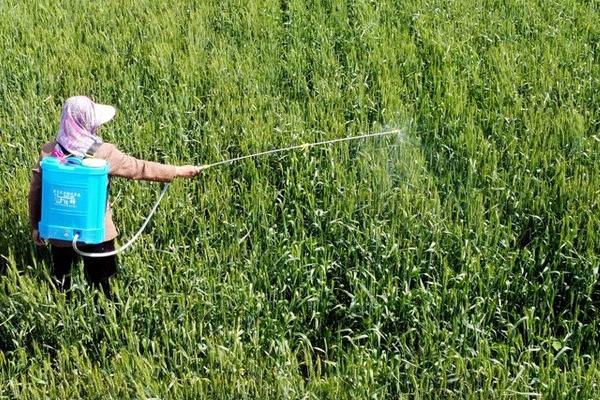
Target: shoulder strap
(65, 151)
(91, 152)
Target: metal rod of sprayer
(299, 146)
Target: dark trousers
(97, 270)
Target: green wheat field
(455, 260)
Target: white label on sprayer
(66, 198)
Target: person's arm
(35, 203)
(126, 166)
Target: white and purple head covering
(78, 123)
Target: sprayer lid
(93, 162)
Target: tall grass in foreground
(459, 260)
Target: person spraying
(78, 138)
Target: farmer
(78, 136)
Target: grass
(459, 260)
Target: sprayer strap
(91, 152)
(64, 150)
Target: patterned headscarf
(78, 123)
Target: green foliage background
(458, 260)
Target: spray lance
(73, 196)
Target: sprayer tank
(74, 195)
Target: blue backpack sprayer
(75, 193)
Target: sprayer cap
(93, 162)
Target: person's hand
(187, 171)
(35, 234)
